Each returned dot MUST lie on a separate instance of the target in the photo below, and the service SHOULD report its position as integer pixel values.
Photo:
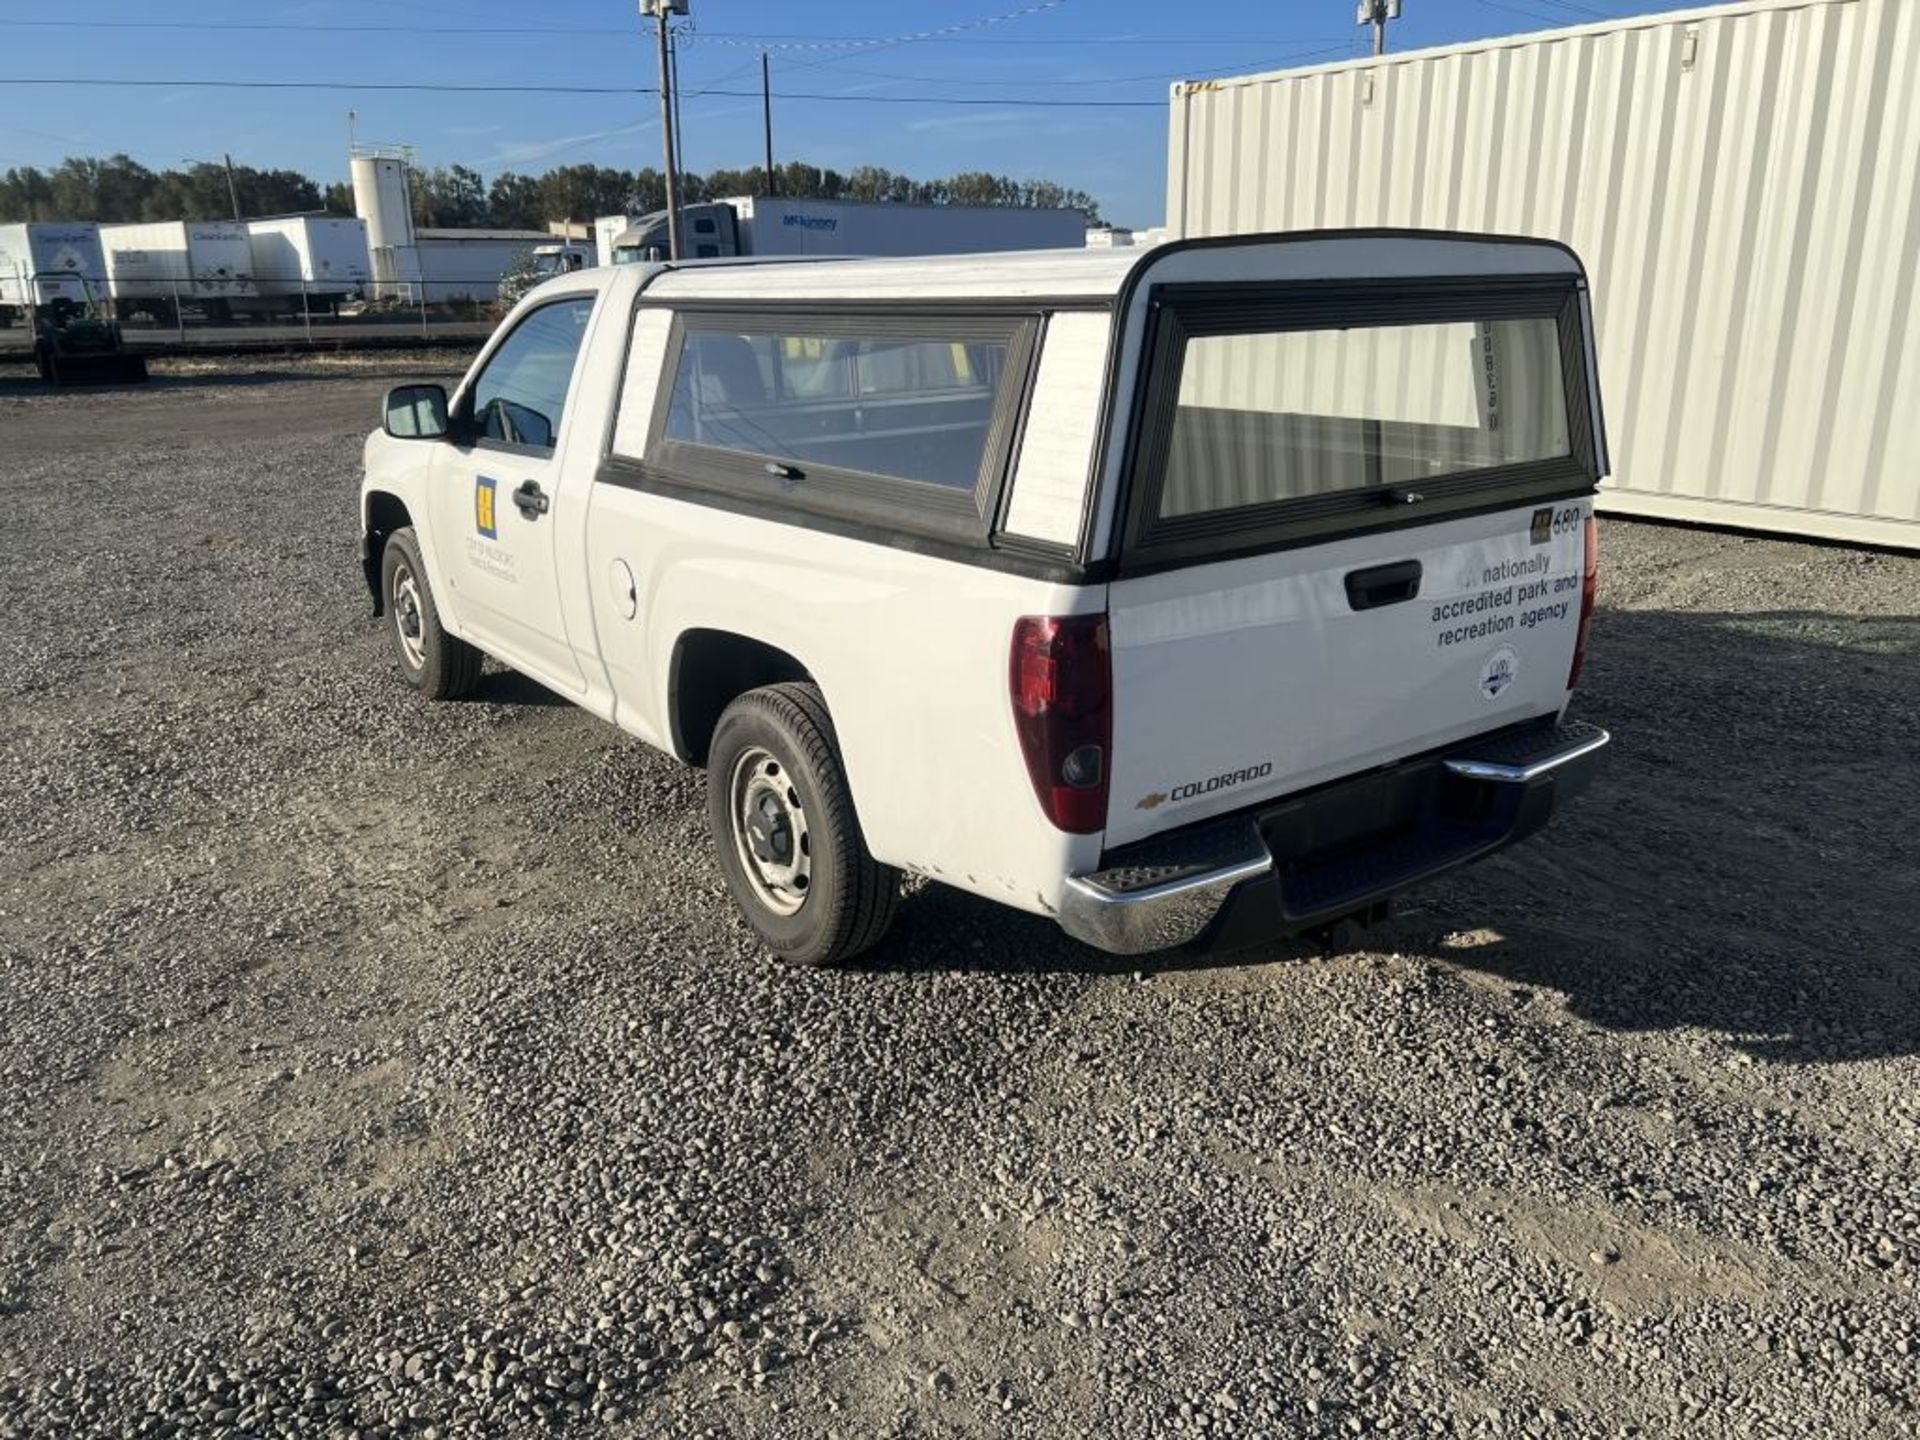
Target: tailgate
(1251, 678)
(1354, 531)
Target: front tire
(440, 666)
(788, 838)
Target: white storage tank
(1741, 182)
(383, 199)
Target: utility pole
(233, 191)
(662, 11)
(679, 130)
(1377, 13)
(766, 109)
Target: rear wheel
(438, 665)
(788, 838)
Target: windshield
(651, 247)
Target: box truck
(775, 226)
(41, 263)
(309, 261)
(1742, 181)
(169, 265)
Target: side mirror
(417, 412)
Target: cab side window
(520, 397)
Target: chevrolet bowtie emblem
(1151, 802)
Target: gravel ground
(375, 1068)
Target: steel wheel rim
(408, 623)
(769, 829)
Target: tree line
(118, 189)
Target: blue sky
(897, 104)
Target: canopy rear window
(1275, 414)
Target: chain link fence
(227, 314)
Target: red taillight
(1588, 589)
(1062, 682)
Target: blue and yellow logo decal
(483, 487)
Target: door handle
(1383, 585)
(531, 500)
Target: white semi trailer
(310, 261)
(774, 226)
(167, 265)
(41, 263)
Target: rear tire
(439, 665)
(784, 825)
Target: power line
(960, 100)
(1344, 48)
(1574, 9)
(294, 27)
(1546, 17)
(430, 88)
(775, 42)
(716, 37)
(621, 90)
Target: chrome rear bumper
(1334, 852)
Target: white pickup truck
(1201, 594)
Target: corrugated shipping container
(1743, 183)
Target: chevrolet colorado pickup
(1203, 593)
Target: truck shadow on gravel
(1747, 863)
(501, 686)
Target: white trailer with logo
(762, 225)
(1743, 180)
(310, 261)
(41, 262)
(167, 265)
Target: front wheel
(784, 825)
(438, 665)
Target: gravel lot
(375, 1068)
